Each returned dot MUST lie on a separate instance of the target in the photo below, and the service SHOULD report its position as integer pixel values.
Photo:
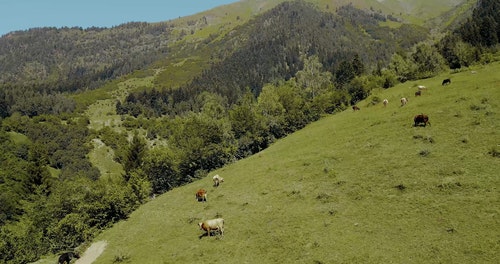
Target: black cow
(65, 258)
(421, 120)
(446, 82)
(355, 108)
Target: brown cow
(201, 195)
(418, 93)
(421, 120)
(355, 108)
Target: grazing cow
(446, 81)
(418, 93)
(65, 258)
(404, 101)
(385, 102)
(355, 108)
(216, 224)
(421, 120)
(217, 180)
(201, 195)
(421, 87)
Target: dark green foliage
(43, 211)
(202, 143)
(424, 62)
(51, 58)
(483, 28)
(428, 61)
(273, 46)
(481, 31)
(248, 127)
(160, 167)
(135, 154)
(117, 141)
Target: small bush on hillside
(494, 152)
(324, 197)
(449, 185)
(121, 257)
(427, 138)
(424, 153)
(375, 100)
(477, 107)
(218, 215)
(400, 187)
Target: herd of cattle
(418, 120)
(217, 224)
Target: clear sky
(26, 14)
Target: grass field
(355, 187)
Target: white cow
(217, 180)
(385, 102)
(403, 101)
(421, 87)
(212, 224)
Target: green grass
(102, 157)
(18, 138)
(355, 187)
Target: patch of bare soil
(92, 253)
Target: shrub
(494, 152)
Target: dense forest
(39, 65)
(279, 72)
(347, 44)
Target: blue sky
(25, 14)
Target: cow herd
(420, 119)
(211, 225)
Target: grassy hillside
(356, 187)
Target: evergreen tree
(135, 155)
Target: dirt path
(92, 253)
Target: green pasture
(355, 187)
(102, 113)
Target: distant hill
(73, 59)
(272, 46)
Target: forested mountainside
(271, 47)
(37, 65)
(68, 59)
(251, 84)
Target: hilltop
(355, 187)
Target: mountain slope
(356, 187)
(273, 47)
(49, 58)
